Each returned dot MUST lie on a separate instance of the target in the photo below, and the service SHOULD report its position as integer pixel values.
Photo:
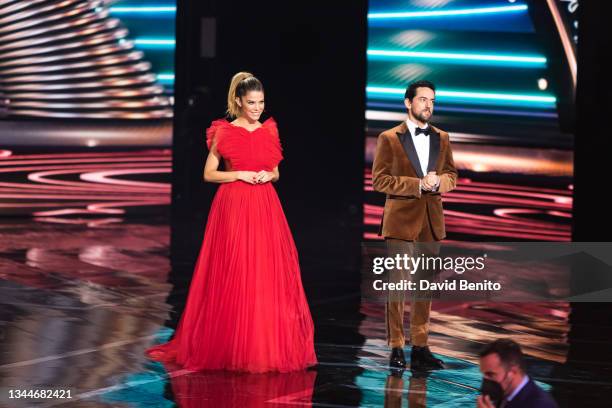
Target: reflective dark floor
(80, 302)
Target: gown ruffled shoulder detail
(228, 138)
(274, 146)
(213, 130)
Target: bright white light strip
(145, 9)
(497, 96)
(384, 115)
(470, 95)
(165, 77)
(440, 13)
(146, 41)
(458, 56)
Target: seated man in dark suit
(505, 383)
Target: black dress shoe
(422, 359)
(397, 359)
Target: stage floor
(80, 302)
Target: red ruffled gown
(246, 309)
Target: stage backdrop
(86, 106)
(505, 74)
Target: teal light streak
(142, 9)
(155, 42)
(465, 58)
(448, 13)
(166, 78)
(455, 96)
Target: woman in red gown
(246, 309)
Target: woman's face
(252, 104)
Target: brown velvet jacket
(396, 172)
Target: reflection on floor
(79, 304)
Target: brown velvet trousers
(420, 301)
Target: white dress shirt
(421, 143)
(518, 389)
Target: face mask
(493, 389)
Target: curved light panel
(72, 60)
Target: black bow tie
(418, 130)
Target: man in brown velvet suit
(413, 166)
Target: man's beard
(421, 117)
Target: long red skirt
(246, 309)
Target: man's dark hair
(509, 353)
(412, 88)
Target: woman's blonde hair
(242, 83)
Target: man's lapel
(408, 144)
(434, 149)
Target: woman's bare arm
(212, 174)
